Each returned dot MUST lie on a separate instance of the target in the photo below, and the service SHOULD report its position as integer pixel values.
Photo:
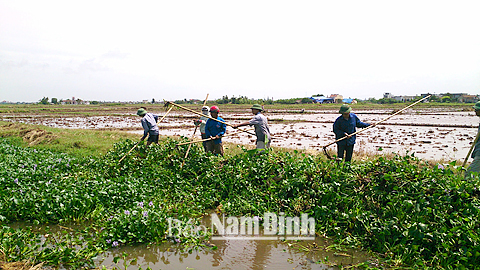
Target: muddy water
(428, 134)
(238, 254)
(228, 254)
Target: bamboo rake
(193, 136)
(140, 141)
(209, 117)
(379, 122)
(471, 149)
(208, 139)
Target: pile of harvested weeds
(31, 135)
(20, 266)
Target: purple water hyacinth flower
(110, 218)
(23, 166)
(145, 214)
(140, 204)
(15, 181)
(177, 240)
(21, 191)
(127, 212)
(108, 241)
(34, 166)
(115, 244)
(150, 204)
(440, 166)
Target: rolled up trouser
(474, 166)
(262, 145)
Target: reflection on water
(236, 254)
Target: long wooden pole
(379, 122)
(193, 136)
(209, 117)
(471, 149)
(208, 139)
(129, 152)
(140, 141)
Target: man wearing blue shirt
(345, 125)
(215, 130)
(149, 124)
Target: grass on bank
(77, 142)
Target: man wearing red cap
(215, 130)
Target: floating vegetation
(406, 211)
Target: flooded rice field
(429, 133)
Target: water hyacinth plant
(406, 211)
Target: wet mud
(429, 133)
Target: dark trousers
(341, 149)
(204, 136)
(215, 148)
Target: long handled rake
(163, 117)
(208, 139)
(471, 149)
(371, 126)
(209, 117)
(193, 136)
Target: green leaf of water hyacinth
(410, 212)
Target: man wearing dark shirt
(345, 125)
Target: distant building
(455, 95)
(468, 98)
(337, 98)
(387, 95)
(322, 99)
(404, 98)
(349, 101)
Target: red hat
(214, 109)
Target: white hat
(205, 108)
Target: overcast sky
(136, 50)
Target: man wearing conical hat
(149, 124)
(475, 165)
(202, 122)
(345, 125)
(262, 131)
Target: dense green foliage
(407, 212)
